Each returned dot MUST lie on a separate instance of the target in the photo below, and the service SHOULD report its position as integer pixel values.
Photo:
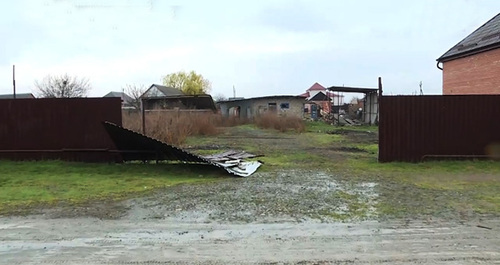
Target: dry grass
(280, 123)
(232, 121)
(173, 127)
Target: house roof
(18, 95)
(122, 95)
(353, 89)
(202, 101)
(486, 37)
(316, 86)
(304, 95)
(307, 94)
(165, 90)
(319, 97)
(168, 91)
(265, 97)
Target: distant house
(320, 96)
(159, 97)
(21, 95)
(253, 107)
(155, 91)
(127, 101)
(473, 64)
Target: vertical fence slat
(57, 124)
(412, 127)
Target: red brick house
(319, 95)
(472, 66)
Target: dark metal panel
(135, 146)
(412, 127)
(50, 126)
(353, 89)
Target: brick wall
(476, 74)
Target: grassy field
(45, 183)
(348, 153)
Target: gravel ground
(263, 197)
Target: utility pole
(14, 79)
(234, 92)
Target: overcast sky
(262, 47)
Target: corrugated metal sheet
(135, 146)
(414, 127)
(66, 129)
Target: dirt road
(36, 240)
(290, 217)
(268, 218)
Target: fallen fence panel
(134, 146)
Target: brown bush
(173, 127)
(232, 121)
(280, 123)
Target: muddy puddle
(264, 197)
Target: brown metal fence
(66, 129)
(413, 128)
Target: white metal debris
(233, 162)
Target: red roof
(304, 95)
(317, 86)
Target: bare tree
(220, 97)
(64, 86)
(135, 92)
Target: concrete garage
(253, 107)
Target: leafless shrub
(135, 92)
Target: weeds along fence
(174, 126)
(280, 123)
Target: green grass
(322, 139)
(282, 160)
(435, 188)
(25, 184)
(321, 127)
(370, 165)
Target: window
(285, 105)
(272, 106)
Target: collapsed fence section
(414, 128)
(65, 129)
